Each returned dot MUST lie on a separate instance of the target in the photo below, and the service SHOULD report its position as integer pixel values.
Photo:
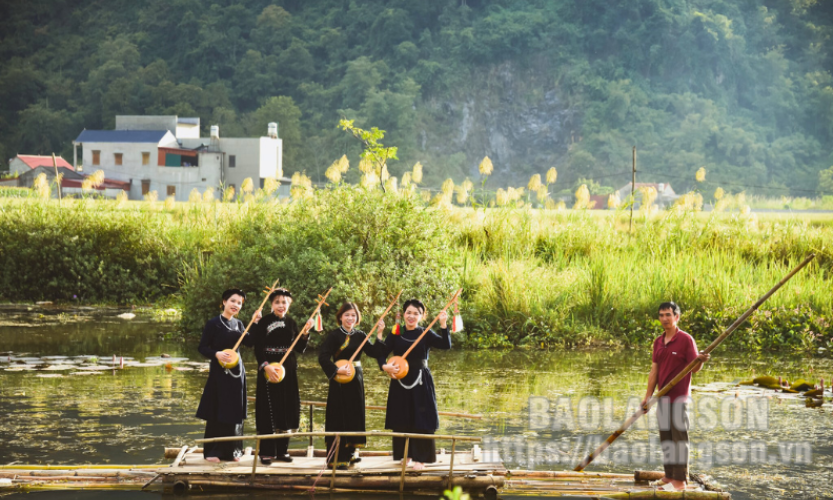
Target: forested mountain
(740, 87)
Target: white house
(166, 154)
(665, 194)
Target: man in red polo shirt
(672, 352)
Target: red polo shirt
(671, 359)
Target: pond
(61, 402)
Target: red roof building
(25, 163)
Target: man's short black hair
(670, 305)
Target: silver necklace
(223, 322)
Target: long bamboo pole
(633, 418)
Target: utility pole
(633, 188)
(57, 177)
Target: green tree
(280, 109)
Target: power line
(720, 184)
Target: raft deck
(376, 472)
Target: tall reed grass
(531, 277)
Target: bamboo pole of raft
(451, 465)
(633, 418)
(413, 435)
(404, 465)
(371, 407)
(367, 337)
(251, 321)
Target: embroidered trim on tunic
(344, 345)
(275, 350)
(275, 324)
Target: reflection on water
(62, 403)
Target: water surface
(62, 403)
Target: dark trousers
(274, 447)
(419, 450)
(673, 435)
(344, 453)
(225, 450)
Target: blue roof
(146, 136)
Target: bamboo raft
(478, 473)
(376, 473)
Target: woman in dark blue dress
(223, 402)
(277, 404)
(412, 400)
(345, 402)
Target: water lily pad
(165, 360)
(55, 368)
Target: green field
(532, 277)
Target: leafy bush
(78, 254)
(365, 245)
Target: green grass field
(532, 277)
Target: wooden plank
(180, 456)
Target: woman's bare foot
(213, 460)
(418, 465)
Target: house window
(117, 158)
(145, 158)
(96, 157)
(171, 190)
(145, 187)
(232, 161)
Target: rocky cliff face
(515, 116)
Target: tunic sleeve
(385, 348)
(374, 348)
(441, 341)
(206, 347)
(325, 355)
(257, 335)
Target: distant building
(598, 201)
(71, 181)
(166, 154)
(24, 163)
(665, 195)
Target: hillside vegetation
(740, 87)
